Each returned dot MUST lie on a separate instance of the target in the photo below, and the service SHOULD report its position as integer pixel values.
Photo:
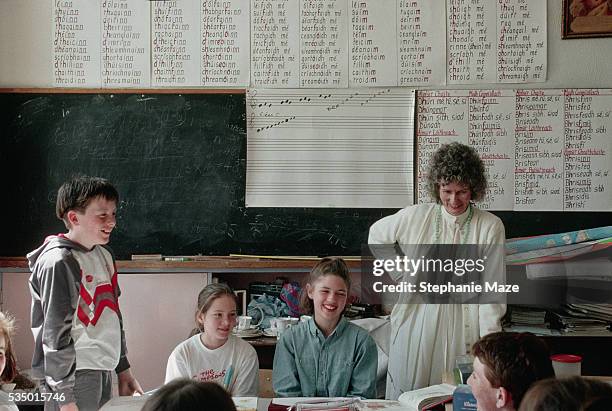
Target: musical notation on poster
(324, 148)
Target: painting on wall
(587, 18)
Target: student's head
(8, 367)
(568, 394)
(505, 366)
(190, 395)
(456, 176)
(327, 289)
(87, 206)
(216, 314)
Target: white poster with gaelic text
(544, 150)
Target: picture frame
(586, 18)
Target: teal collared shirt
(306, 364)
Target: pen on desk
(228, 378)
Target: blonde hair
(7, 328)
(205, 299)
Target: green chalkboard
(179, 163)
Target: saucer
(250, 333)
(270, 332)
(251, 327)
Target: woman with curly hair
(427, 338)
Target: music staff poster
(330, 148)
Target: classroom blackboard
(179, 163)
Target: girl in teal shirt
(325, 356)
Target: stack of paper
(598, 311)
(579, 319)
(577, 269)
(526, 315)
(527, 319)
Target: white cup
(566, 365)
(281, 325)
(244, 322)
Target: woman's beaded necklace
(465, 226)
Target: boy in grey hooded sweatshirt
(76, 322)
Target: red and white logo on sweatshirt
(95, 298)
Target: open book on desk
(382, 405)
(428, 398)
(314, 404)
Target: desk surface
(263, 403)
(136, 404)
(262, 341)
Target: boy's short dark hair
(76, 194)
(514, 361)
(184, 394)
